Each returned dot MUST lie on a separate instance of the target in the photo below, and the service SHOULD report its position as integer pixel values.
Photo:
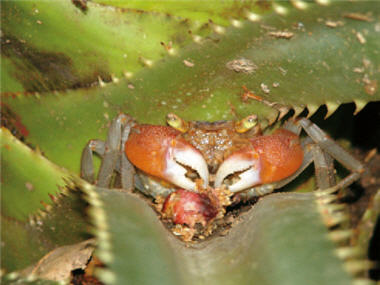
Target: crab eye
(159, 151)
(246, 124)
(177, 123)
(243, 166)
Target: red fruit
(186, 207)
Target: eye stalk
(246, 124)
(177, 123)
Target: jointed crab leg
(324, 168)
(327, 144)
(324, 150)
(324, 154)
(335, 150)
(295, 128)
(127, 171)
(110, 151)
(87, 164)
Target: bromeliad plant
(62, 64)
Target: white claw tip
(247, 163)
(190, 157)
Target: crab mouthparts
(245, 163)
(176, 173)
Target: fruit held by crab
(189, 208)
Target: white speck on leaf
(281, 34)
(361, 38)
(265, 88)
(282, 70)
(333, 24)
(188, 63)
(29, 186)
(241, 65)
(359, 69)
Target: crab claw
(270, 158)
(159, 151)
(245, 161)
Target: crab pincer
(268, 159)
(161, 152)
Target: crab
(196, 169)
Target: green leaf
(316, 66)
(53, 46)
(28, 178)
(201, 12)
(36, 216)
(282, 239)
(136, 242)
(24, 243)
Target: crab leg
(127, 170)
(291, 126)
(112, 151)
(111, 156)
(335, 150)
(324, 167)
(87, 164)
